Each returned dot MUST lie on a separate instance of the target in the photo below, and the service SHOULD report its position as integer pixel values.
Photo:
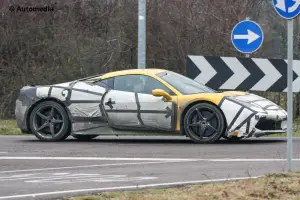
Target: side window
(139, 83)
(106, 83)
(152, 84)
(127, 83)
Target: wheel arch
(43, 100)
(188, 106)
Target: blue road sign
(247, 36)
(287, 9)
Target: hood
(261, 105)
(257, 103)
(251, 100)
(233, 93)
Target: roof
(133, 71)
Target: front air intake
(268, 124)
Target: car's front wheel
(204, 123)
(49, 121)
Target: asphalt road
(30, 169)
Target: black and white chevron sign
(243, 74)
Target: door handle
(110, 103)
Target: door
(84, 102)
(131, 105)
(155, 113)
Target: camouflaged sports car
(144, 100)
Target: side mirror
(161, 93)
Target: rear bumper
(21, 113)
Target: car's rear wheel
(85, 137)
(204, 123)
(49, 121)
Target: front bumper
(265, 133)
(272, 125)
(262, 124)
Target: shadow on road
(164, 141)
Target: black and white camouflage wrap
(97, 110)
(244, 112)
(89, 110)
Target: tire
(204, 123)
(49, 121)
(84, 137)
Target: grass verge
(9, 127)
(271, 186)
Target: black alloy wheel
(49, 121)
(204, 123)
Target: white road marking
(56, 178)
(61, 173)
(3, 152)
(19, 176)
(78, 178)
(135, 163)
(84, 166)
(250, 159)
(91, 158)
(72, 177)
(44, 176)
(124, 187)
(155, 160)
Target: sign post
(290, 93)
(142, 35)
(289, 9)
(247, 54)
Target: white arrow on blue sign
(287, 9)
(247, 36)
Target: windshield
(184, 84)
